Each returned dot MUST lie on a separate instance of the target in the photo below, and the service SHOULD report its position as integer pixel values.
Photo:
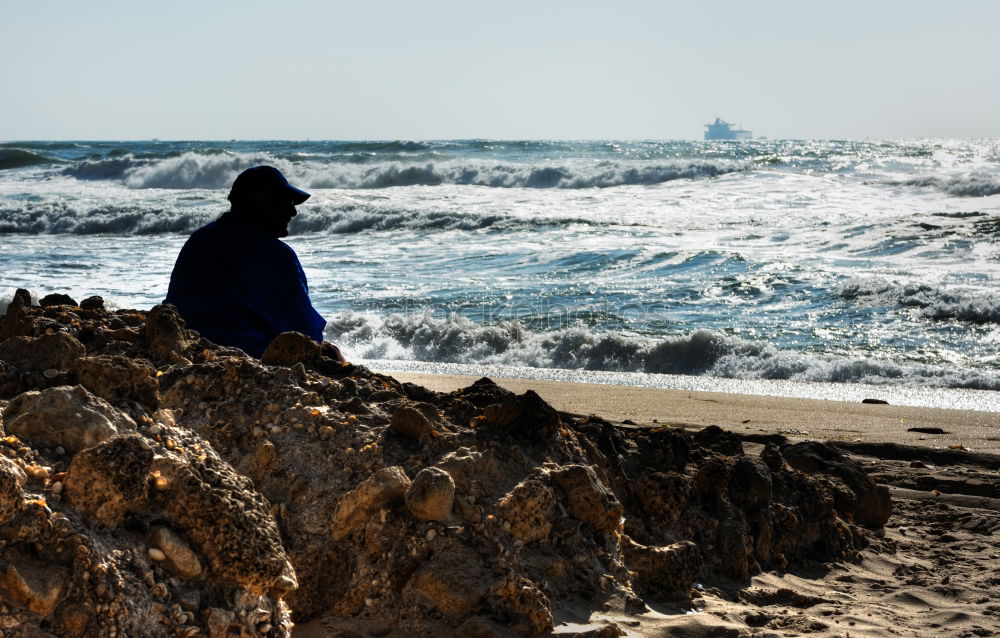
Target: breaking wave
(456, 339)
(193, 170)
(931, 302)
(21, 158)
(59, 217)
(977, 185)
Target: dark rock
(525, 414)
(165, 331)
(57, 299)
(875, 401)
(871, 504)
(290, 348)
(50, 351)
(12, 478)
(722, 441)
(21, 298)
(927, 430)
(750, 481)
(431, 495)
(483, 393)
(410, 422)
(663, 571)
(93, 303)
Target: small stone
(410, 422)
(36, 586)
(156, 554)
(361, 503)
(431, 495)
(181, 558)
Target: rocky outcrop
(176, 487)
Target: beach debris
(875, 401)
(927, 430)
(162, 485)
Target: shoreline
(796, 418)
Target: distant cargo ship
(719, 130)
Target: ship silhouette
(720, 130)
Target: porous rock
(529, 508)
(110, 479)
(663, 495)
(355, 507)
(589, 499)
(65, 416)
(663, 570)
(522, 600)
(49, 351)
(118, 378)
(227, 522)
(431, 495)
(12, 479)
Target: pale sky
(511, 69)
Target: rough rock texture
(854, 492)
(290, 348)
(69, 417)
(234, 480)
(48, 352)
(431, 495)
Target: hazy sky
(501, 69)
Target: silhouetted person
(234, 281)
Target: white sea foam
(192, 170)
(932, 302)
(974, 185)
(455, 339)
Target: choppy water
(819, 261)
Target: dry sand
(936, 572)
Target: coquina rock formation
(155, 484)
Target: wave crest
(456, 339)
(975, 185)
(217, 170)
(931, 302)
(21, 158)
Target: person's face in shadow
(272, 213)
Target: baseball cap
(265, 179)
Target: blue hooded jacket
(239, 286)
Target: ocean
(840, 269)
